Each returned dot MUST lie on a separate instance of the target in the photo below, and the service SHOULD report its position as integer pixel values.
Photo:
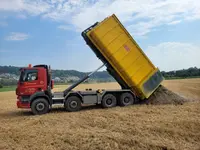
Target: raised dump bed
(125, 60)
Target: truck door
(29, 82)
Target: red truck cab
(33, 81)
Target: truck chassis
(41, 103)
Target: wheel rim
(126, 100)
(40, 106)
(73, 104)
(109, 101)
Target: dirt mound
(164, 96)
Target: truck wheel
(126, 99)
(72, 104)
(109, 100)
(40, 106)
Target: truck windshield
(28, 75)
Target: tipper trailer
(121, 55)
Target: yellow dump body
(115, 46)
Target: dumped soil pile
(164, 96)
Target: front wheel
(40, 106)
(72, 104)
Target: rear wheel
(109, 100)
(126, 99)
(40, 106)
(72, 104)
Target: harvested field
(133, 127)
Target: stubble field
(133, 127)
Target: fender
(40, 94)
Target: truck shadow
(90, 107)
(16, 113)
(60, 109)
(84, 108)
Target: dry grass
(187, 87)
(133, 127)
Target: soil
(164, 96)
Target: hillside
(10, 74)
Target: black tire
(40, 106)
(108, 101)
(72, 104)
(126, 99)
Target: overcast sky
(49, 31)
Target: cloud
(21, 16)
(35, 7)
(174, 55)
(3, 24)
(11, 5)
(174, 22)
(65, 27)
(139, 16)
(17, 36)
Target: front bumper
(21, 104)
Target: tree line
(101, 76)
(184, 73)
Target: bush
(1, 86)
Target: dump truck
(125, 62)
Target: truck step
(57, 94)
(58, 101)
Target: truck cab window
(29, 75)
